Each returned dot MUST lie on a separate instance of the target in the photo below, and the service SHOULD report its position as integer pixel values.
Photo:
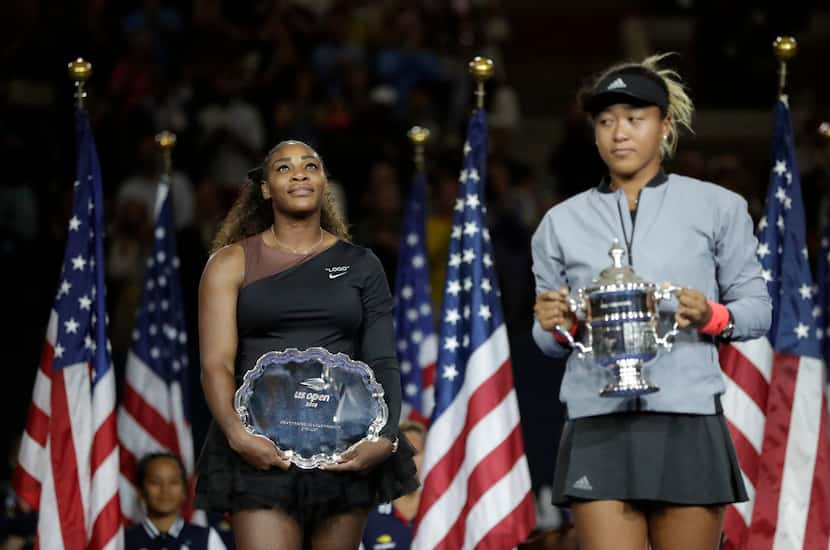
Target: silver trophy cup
(619, 311)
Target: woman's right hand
(258, 451)
(552, 309)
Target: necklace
(294, 250)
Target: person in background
(389, 525)
(162, 483)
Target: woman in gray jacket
(657, 468)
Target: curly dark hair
(251, 213)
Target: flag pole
(785, 48)
(481, 69)
(166, 141)
(79, 71)
(419, 136)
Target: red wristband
(718, 320)
(572, 331)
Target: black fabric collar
(658, 180)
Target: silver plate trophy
(315, 405)
(620, 314)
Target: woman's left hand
(694, 310)
(364, 456)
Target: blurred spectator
(575, 163)
(136, 73)
(129, 244)
(142, 186)
(162, 24)
(728, 170)
(407, 61)
(380, 220)
(389, 525)
(162, 483)
(444, 188)
(18, 523)
(233, 133)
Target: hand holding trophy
(315, 406)
(619, 310)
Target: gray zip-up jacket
(687, 232)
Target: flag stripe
(818, 525)
(744, 414)
(746, 374)
(745, 450)
(800, 452)
(64, 466)
(771, 466)
(153, 416)
(759, 353)
(105, 444)
(487, 473)
(154, 390)
(480, 442)
(148, 418)
(474, 439)
(522, 519)
(68, 461)
(480, 405)
(27, 487)
(38, 424)
(446, 429)
(510, 498)
(107, 524)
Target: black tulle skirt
(226, 483)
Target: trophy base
(628, 380)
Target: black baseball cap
(626, 86)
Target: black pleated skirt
(226, 483)
(681, 459)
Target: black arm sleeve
(377, 344)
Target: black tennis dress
(337, 299)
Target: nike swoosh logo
(336, 275)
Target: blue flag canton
(822, 306)
(160, 336)
(782, 250)
(471, 308)
(413, 309)
(77, 335)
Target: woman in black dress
(284, 275)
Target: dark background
(350, 77)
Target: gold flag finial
(481, 68)
(79, 71)
(419, 136)
(166, 141)
(785, 48)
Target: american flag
(153, 416)
(68, 463)
(414, 331)
(476, 485)
(822, 312)
(775, 403)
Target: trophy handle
(667, 339)
(581, 348)
(665, 293)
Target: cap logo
(618, 83)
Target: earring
(666, 137)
